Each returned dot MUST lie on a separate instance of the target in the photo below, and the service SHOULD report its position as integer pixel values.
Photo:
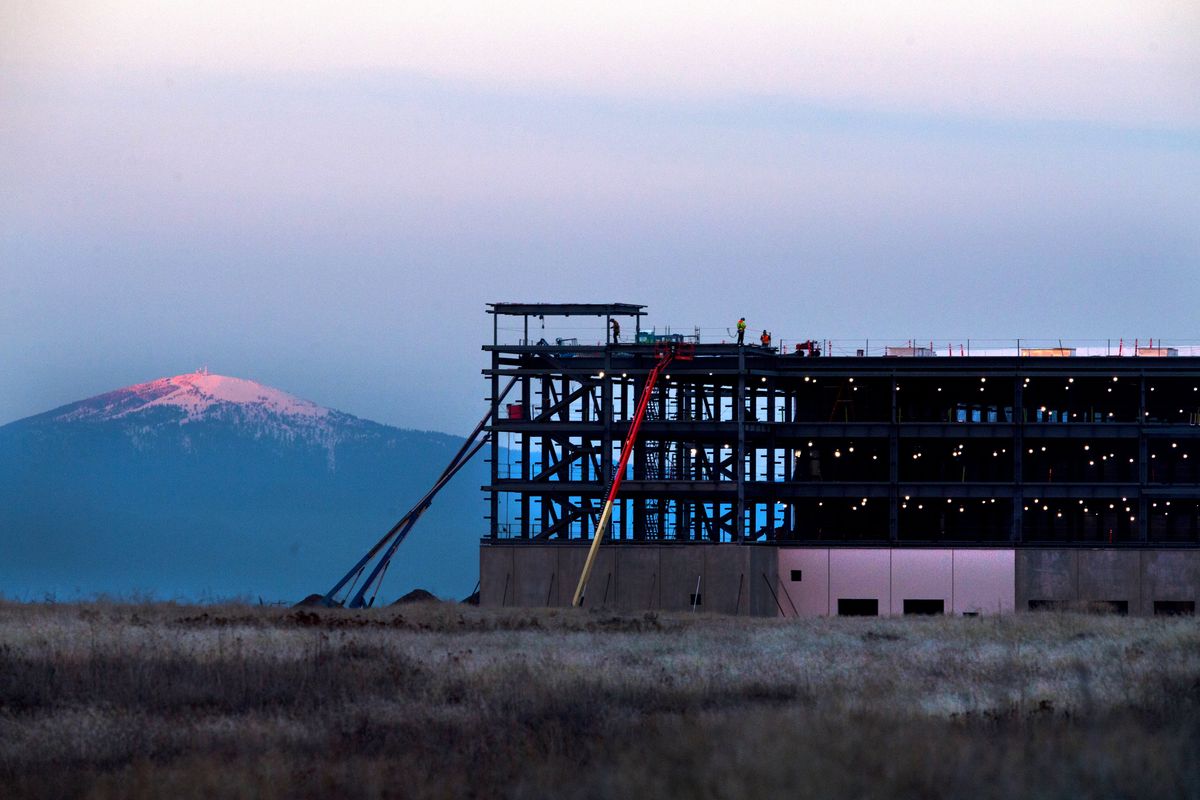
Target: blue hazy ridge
(212, 509)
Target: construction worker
(616, 331)
(765, 339)
(741, 328)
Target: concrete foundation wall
(860, 574)
(804, 581)
(814, 579)
(984, 581)
(809, 581)
(922, 575)
(731, 579)
(1134, 578)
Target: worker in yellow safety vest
(741, 328)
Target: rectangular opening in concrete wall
(857, 607)
(1045, 605)
(1120, 607)
(797, 574)
(1174, 608)
(695, 599)
(925, 607)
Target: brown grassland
(442, 700)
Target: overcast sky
(323, 196)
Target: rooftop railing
(912, 348)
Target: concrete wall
(758, 580)
(984, 581)
(965, 581)
(1081, 577)
(922, 575)
(731, 579)
(860, 574)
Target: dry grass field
(441, 700)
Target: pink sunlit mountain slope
(249, 406)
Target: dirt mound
(416, 596)
(473, 600)
(310, 601)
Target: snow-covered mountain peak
(196, 394)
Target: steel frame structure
(743, 444)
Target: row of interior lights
(981, 388)
(808, 379)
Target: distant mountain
(205, 486)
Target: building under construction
(888, 481)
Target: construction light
(694, 452)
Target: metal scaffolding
(745, 444)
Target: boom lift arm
(666, 353)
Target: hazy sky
(323, 196)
